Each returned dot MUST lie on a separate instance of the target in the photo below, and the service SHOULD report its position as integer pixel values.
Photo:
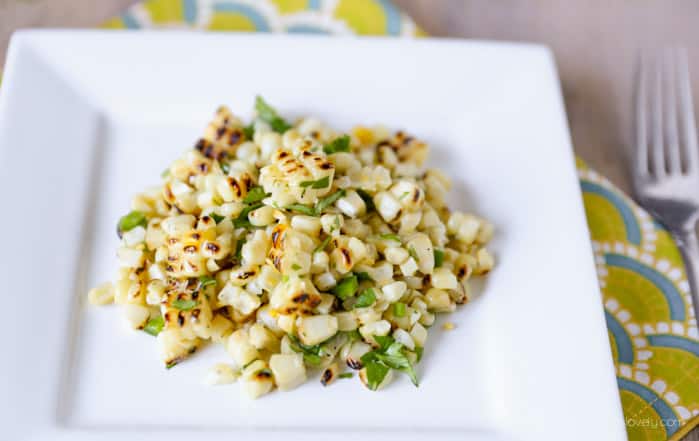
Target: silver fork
(666, 157)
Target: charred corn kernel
(442, 278)
(316, 329)
(354, 354)
(288, 369)
(221, 374)
(257, 379)
(485, 261)
(329, 374)
(101, 294)
(396, 255)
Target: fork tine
(688, 131)
(672, 145)
(657, 167)
(640, 152)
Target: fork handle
(689, 246)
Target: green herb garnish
(269, 115)
(154, 325)
(366, 298)
(255, 194)
(242, 220)
(184, 305)
(363, 275)
(413, 253)
(303, 209)
(323, 203)
(341, 144)
(295, 267)
(346, 288)
(311, 354)
(225, 167)
(418, 351)
(216, 217)
(401, 197)
(390, 354)
(249, 131)
(130, 221)
(399, 309)
(165, 173)
(323, 244)
(375, 373)
(368, 201)
(239, 249)
(205, 281)
(318, 184)
(171, 365)
(354, 335)
(438, 258)
(389, 236)
(346, 375)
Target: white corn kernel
(320, 262)
(262, 217)
(332, 223)
(316, 329)
(485, 261)
(393, 291)
(288, 369)
(438, 300)
(241, 300)
(442, 278)
(387, 205)
(404, 338)
(240, 348)
(263, 338)
(221, 374)
(101, 294)
(396, 255)
(382, 328)
(346, 321)
(419, 334)
(409, 267)
(325, 281)
(134, 236)
(309, 225)
(351, 205)
(130, 258)
(136, 315)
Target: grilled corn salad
(297, 248)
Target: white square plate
(88, 118)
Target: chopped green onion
(384, 341)
(320, 183)
(389, 236)
(399, 309)
(346, 288)
(216, 217)
(205, 281)
(269, 115)
(285, 278)
(255, 194)
(368, 201)
(130, 221)
(295, 267)
(323, 244)
(323, 203)
(413, 253)
(250, 362)
(303, 209)
(341, 144)
(154, 325)
(242, 220)
(184, 305)
(438, 258)
(346, 375)
(311, 354)
(401, 197)
(366, 298)
(390, 354)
